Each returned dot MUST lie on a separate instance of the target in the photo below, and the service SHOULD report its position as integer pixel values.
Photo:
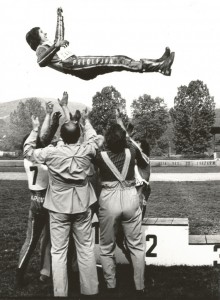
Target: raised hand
(85, 113)
(64, 100)
(76, 117)
(35, 123)
(61, 43)
(59, 11)
(120, 108)
(118, 111)
(49, 107)
(56, 117)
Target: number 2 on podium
(149, 252)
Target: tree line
(187, 125)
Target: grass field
(199, 201)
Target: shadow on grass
(161, 283)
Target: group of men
(63, 193)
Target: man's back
(68, 191)
(70, 162)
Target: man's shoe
(85, 297)
(111, 291)
(162, 58)
(165, 55)
(140, 294)
(165, 67)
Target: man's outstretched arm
(46, 122)
(142, 160)
(64, 105)
(60, 30)
(48, 136)
(89, 133)
(35, 155)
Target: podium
(168, 243)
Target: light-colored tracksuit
(68, 199)
(119, 205)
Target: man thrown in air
(58, 56)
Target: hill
(8, 107)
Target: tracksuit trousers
(119, 206)
(37, 230)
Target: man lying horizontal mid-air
(57, 55)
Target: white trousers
(120, 207)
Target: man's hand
(35, 123)
(61, 43)
(118, 111)
(56, 117)
(85, 113)
(49, 107)
(76, 118)
(64, 100)
(59, 11)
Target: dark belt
(71, 182)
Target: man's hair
(115, 138)
(70, 132)
(33, 38)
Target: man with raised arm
(119, 206)
(68, 199)
(38, 219)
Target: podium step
(166, 221)
(204, 239)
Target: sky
(135, 28)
